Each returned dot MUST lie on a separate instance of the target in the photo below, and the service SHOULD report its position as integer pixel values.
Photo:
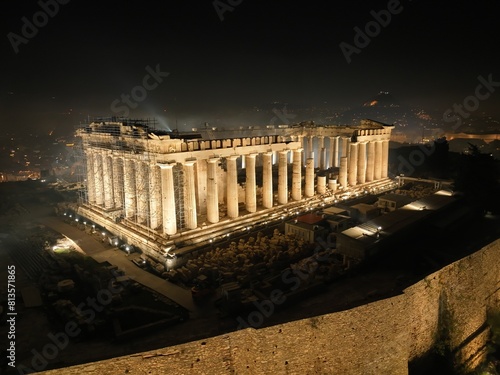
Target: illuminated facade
(159, 190)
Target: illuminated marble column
(267, 180)
(129, 188)
(310, 146)
(201, 191)
(232, 186)
(370, 166)
(117, 166)
(107, 175)
(345, 146)
(309, 185)
(353, 164)
(98, 180)
(250, 184)
(334, 152)
(332, 185)
(348, 150)
(212, 191)
(155, 214)
(343, 172)
(297, 175)
(322, 152)
(169, 217)
(190, 213)
(378, 160)
(385, 158)
(90, 177)
(362, 163)
(142, 190)
(321, 185)
(303, 146)
(283, 177)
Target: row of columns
(141, 188)
(358, 162)
(340, 147)
(146, 191)
(365, 162)
(251, 188)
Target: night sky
(89, 53)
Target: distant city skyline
(217, 60)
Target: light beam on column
(322, 152)
(250, 184)
(385, 158)
(267, 180)
(362, 162)
(309, 185)
(168, 199)
(378, 160)
(310, 146)
(232, 186)
(142, 189)
(90, 178)
(155, 210)
(283, 177)
(118, 181)
(343, 172)
(334, 152)
(212, 192)
(353, 164)
(107, 168)
(99, 180)
(129, 188)
(370, 168)
(297, 175)
(190, 195)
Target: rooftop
(310, 219)
(398, 198)
(394, 222)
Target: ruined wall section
(356, 341)
(447, 308)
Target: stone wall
(448, 307)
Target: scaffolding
(109, 136)
(179, 184)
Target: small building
(363, 212)
(367, 240)
(338, 223)
(308, 227)
(330, 211)
(391, 202)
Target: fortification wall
(448, 307)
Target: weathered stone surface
(376, 338)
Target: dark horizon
(85, 57)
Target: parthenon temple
(156, 188)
